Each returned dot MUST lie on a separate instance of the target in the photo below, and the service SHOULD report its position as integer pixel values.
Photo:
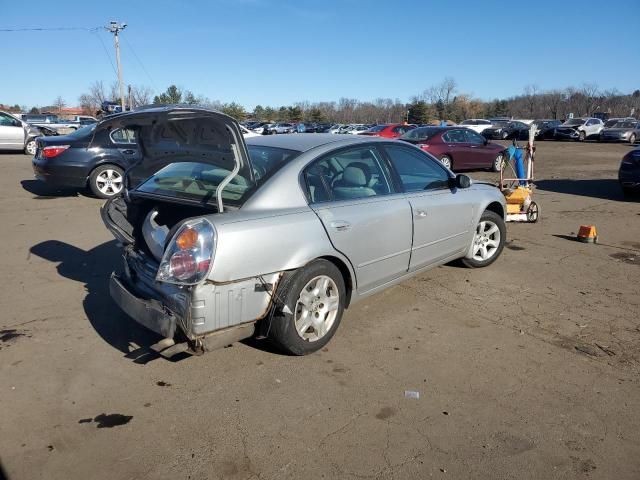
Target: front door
(11, 132)
(366, 220)
(442, 216)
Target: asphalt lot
(527, 369)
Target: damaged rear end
(194, 167)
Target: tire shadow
(93, 268)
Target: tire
(533, 212)
(632, 138)
(446, 161)
(100, 185)
(582, 136)
(505, 135)
(488, 220)
(289, 331)
(30, 147)
(498, 163)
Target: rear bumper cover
(150, 313)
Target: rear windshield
(377, 128)
(574, 121)
(83, 131)
(420, 133)
(199, 182)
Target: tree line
(442, 101)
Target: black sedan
(629, 173)
(507, 131)
(82, 159)
(545, 129)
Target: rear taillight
(187, 260)
(53, 151)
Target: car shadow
(607, 189)
(93, 268)
(42, 191)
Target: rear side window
(123, 135)
(417, 170)
(347, 175)
(454, 136)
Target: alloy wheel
(109, 182)
(486, 240)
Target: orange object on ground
(587, 234)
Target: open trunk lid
(174, 133)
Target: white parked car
(336, 128)
(579, 129)
(357, 129)
(478, 125)
(246, 133)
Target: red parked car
(458, 148)
(391, 130)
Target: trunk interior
(147, 224)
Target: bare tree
(141, 95)
(59, 103)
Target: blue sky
(274, 52)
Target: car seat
(354, 182)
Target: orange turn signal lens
(187, 239)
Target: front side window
(474, 138)
(8, 121)
(417, 170)
(347, 175)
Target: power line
(46, 29)
(106, 51)
(140, 62)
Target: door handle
(128, 152)
(421, 214)
(340, 225)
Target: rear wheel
(30, 147)
(488, 241)
(446, 161)
(106, 181)
(533, 212)
(313, 299)
(498, 163)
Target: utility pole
(115, 28)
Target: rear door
(442, 216)
(366, 219)
(11, 132)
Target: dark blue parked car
(629, 173)
(83, 159)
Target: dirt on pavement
(526, 369)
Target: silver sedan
(277, 236)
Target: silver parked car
(279, 235)
(16, 134)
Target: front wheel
(505, 135)
(106, 181)
(632, 138)
(30, 147)
(313, 302)
(488, 241)
(582, 136)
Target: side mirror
(462, 181)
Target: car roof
(302, 142)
